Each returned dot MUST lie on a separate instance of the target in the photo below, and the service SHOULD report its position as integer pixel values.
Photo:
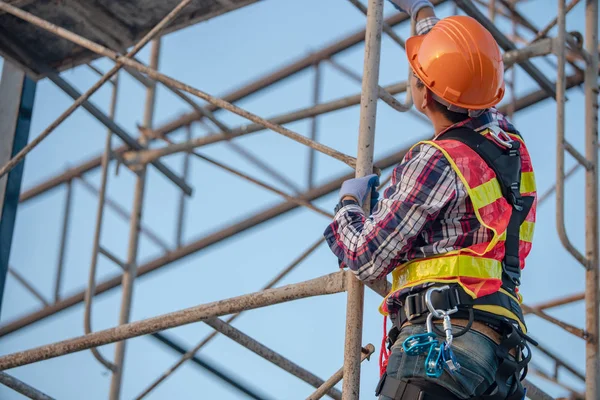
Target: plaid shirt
(425, 211)
(423, 26)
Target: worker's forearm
(423, 13)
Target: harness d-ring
(437, 313)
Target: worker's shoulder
(425, 151)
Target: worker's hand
(359, 188)
(411, 7)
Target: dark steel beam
(471, 9)
(272, 212)
(268, 214)
(241, 93)
(213, 369)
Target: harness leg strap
(407, 390)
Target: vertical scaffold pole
(364, 166)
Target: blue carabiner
(419, 344)
(434, 364)
(449, 359)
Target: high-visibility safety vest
(477, 268)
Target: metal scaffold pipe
(83, 98)
(130, 273)
(23, 388)
(328, 284)
(335, 378)
(592, 307)
(364, 167)
(191, 353)
(91, 287)
(169, 81)
(560, 138)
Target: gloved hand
(359, 188)
(411, 7)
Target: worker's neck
(440, 123)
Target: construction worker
(453, 228)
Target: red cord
(384, 353)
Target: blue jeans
(474, 352)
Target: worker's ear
(427, 99)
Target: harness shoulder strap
(506, 164)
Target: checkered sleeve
(371, 247)
(423, 26)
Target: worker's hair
(452, 116)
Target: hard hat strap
(457, 109)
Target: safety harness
(502, 155)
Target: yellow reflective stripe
(525, 232)
(446, 267)
(518, 300)
(497, 310)
(495, 238)
(486, 193)
(445, 281)
(527, 182)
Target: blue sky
(218, 56)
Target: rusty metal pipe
(202, 243)
(534, 392)
(288, 70)
(328, 284)
(101, 50)
(181, 210)
(559, 302)
(544, 31)
(91, 287)
(270, 355)
(266, 186)
(124, 214)
(63, 241)
(153, 154)
(364, 166)
(130, 273)
(592, 306)
(528, 100)
(567, 327)
(560, 139)
(335, 378)
(521, 103)
(559, 361)
(83, 98)
(190, 353)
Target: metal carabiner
(448, 329)
(432, 310)
(496, 132)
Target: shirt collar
(491, 117)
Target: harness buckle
(410, 307)
(514, 276)
(515, 196)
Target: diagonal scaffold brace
(169, 81)
(83, 98)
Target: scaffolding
(567, 48)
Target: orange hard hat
(460, 62)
